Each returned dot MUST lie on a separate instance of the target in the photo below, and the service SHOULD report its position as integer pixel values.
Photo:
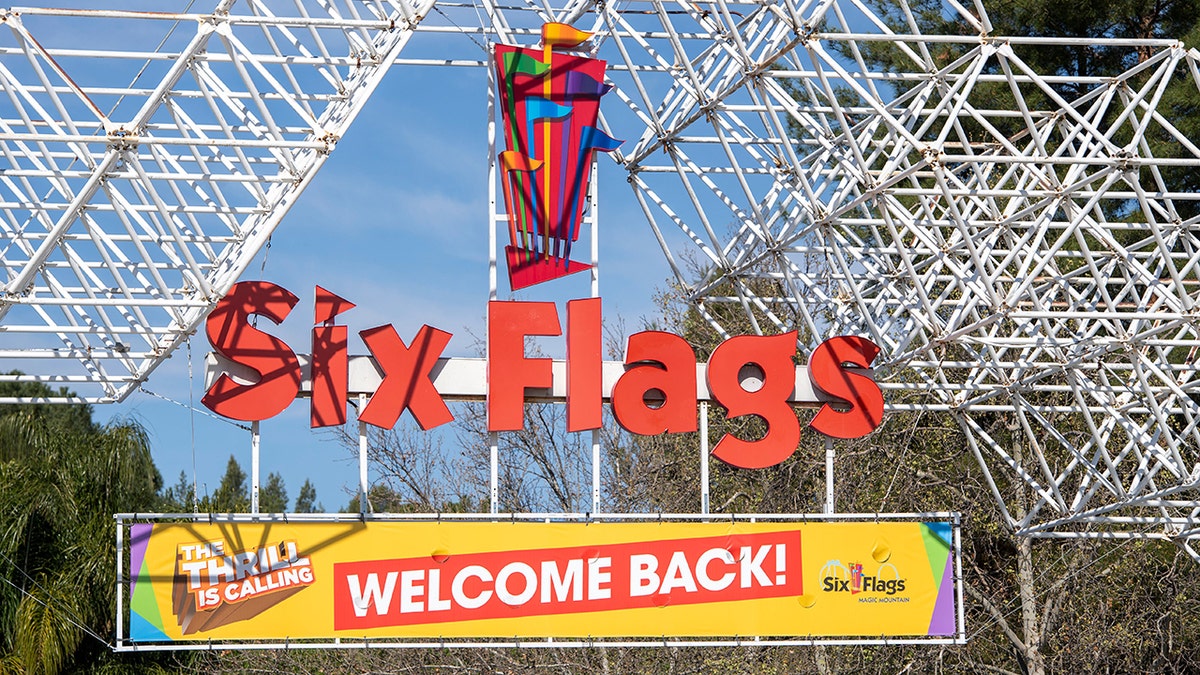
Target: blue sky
(396, 222)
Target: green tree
(380, 499)
(62, 477)
(180, 497)
(273, 497)
(306, 501)
(67, 416)
(1072, 61)
(231, 495)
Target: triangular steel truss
(1028, 261)
(139, 180)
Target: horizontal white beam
(465, 379)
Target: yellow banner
(274, 581)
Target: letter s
(861, 393)
(231, 335)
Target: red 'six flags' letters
(232, 336)
(406, 384)
(330, 361)
(656, 393)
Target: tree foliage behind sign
(1069, 60)
(62, 477)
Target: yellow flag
(562, 35)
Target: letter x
(406, 381)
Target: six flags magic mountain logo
(549, 103)
(837, 577)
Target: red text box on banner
(376, 593)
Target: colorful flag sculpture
(549, 103)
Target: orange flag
(514, 164)
(515, 161)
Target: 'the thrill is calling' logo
(549, 103)
(215, 586)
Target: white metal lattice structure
(139, 180)
(1021, 243)
(1029, 267)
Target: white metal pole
(120, 590)
(593, 193)
(958, 579)
(362, 457)
(493, 215)
(593, 197)
(255, 443)
(595, 470)
(494, 452)
(828, 475)
(704, 457)
(493, 218)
